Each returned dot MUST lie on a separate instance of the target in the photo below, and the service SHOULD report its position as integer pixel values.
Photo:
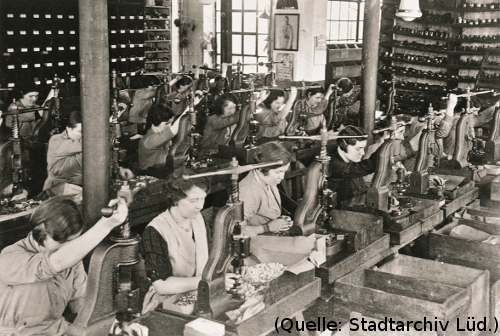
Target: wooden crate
(482, 214)
(382, 295)
(477, 282)
(341, 264)
(368, 227)
(472, 254)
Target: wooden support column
(371, 33)
(94, 71)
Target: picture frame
(286, 32)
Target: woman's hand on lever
(119, 215)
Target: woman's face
(315, 99)
(74, 133)
(192, 204)
(276, 104)
(275, 176)
(228, 108)
(29, 99)
(355, 153)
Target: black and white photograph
(286, 32)
(249, 167)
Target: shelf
(155, 73)
(414, 75)
(156, 19)
(158, 7)
(476, 10)
(404, 33)
(157, 51)
(480, 25)
(474, 40)
(464, 66)
(413, 47)
(157, 30)
(158, 41)
(152, 62)
(491, 67)
(399, 60)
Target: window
(345, 21)
(248, 35)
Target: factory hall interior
(249, 167)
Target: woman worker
(27, 97)
(64, 157)
(272, 116)
(220, 125)
(347, 166)
(43, 273)
(259, 192)
(154, 146)
(178, 98)
(174, 245)
(315, 104)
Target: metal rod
(320, 138)
(470, 94)
(234, 170)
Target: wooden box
(469, 253)
(342, 263)
(475, 281)
(493, 189)
(382, 295)
(368, 227)
(482, 214)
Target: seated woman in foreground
(174, 245)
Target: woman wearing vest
(259, 192)
(174, 245)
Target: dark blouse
(346, 178)
(154, 250)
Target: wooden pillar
(95, 99)
(371, 33)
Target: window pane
(237, 24)
(249, 60)
(217, 20)
(343, 28)
(352, 31)
(360, 31)
(250, 20)
(237, 4)
(249, 44)
(262, 45)
(250, 4)
(353, 11)
(263, 26)
(344, 10)
(262, 4)
(236, 44)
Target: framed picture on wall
(286, 32)
(287, 4)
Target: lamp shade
(207, 2)
(409, 10)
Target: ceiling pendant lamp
(207, 2)
(264, 14)
(409, 10)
